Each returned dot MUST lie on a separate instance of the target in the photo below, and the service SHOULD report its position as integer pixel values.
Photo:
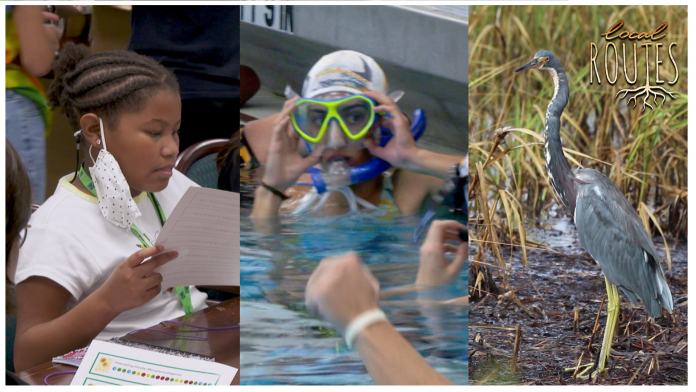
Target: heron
(608, 226)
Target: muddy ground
(570, 282)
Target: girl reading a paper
(86, 268)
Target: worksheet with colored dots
(113, 364)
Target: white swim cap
(345, 70)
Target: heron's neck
(560, 94)
(557, 166)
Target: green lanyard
(182, 292)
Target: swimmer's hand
(434, 269)
(133, 283)
(402, 148)
(284, 164)
(402, 151)
(340, 289)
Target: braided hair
(107, 84)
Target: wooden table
(223, 345)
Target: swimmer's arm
(257, 133)
(266, 204)
(390, 359)
(403, 290)
(46, 330)
(432, 303)
(416, 288)
(411, 189)
(432, 163)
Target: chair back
(198, 162)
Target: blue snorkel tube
(376, 166)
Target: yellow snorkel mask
(355, 115)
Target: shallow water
(556, 283)
(282, 344)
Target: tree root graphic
(647, 90)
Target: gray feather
(613, 234)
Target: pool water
(282, 344)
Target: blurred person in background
(31, 45)
(200, 44)
(17, 214)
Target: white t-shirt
(71, 243)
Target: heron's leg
(613, 303)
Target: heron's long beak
(531, 64)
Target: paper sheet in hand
(204, 229)
(113, 364)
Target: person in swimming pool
(336, 126)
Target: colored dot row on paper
(170, 379)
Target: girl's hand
(284, 165)
(434, 269)
(402, 148)
(133, 283)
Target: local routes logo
(654, 47)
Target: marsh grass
(643, 151)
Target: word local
(612, 34)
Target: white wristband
(361, 322)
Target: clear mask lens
(356, 115)
(310, 117)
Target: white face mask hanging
(115, 200)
